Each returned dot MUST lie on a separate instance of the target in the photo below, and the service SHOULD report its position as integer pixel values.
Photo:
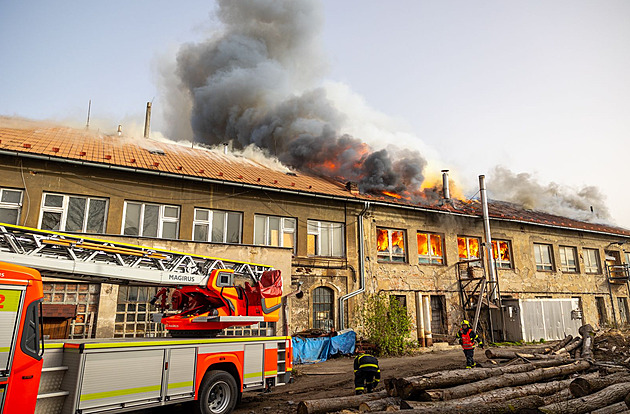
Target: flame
(382, 240)
(468, 248)
(398, 241)
(394, 195)
(504, 250)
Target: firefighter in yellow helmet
(467, 338)
(367, 374)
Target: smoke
(259, 81)
(584, 204)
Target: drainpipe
(361, 289)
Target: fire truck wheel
(218, 393)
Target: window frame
(589, 266)
(12, 206)
(64, 210)
(544, 267)
(432, 259)
(282, 230)
(332, 227)
(161, 218)
(499, 262)
(210, 222)
(565, 267)
(389, 256)
(317, 306)
(467, 241)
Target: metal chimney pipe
(225, 147)
(488, 237)
(445, 188)
(119, 130)
(147, 121)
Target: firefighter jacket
(366, 362)
(467, 338)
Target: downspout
(361, 289)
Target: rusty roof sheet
(28, 137)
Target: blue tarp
(311, 350)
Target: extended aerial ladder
(207, 294)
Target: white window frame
(430, 258)
(500, 263)
(538, 254)
(12, 206)
(589, 266)
(565, 266)
(161, 218)
(63, 210)
(468, 255)
(284, 229)
(314, 228)
(388, 257)
(210, 221)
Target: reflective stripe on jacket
(366, 362)
(468, 338)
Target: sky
(535, 95)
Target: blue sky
(539, 87)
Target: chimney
(445, 188)
(352, 187)
(225, 147)
(147, 120)
(119, 130)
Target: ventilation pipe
(486, 228)
(445, 188)
(225, 147)
(344, 298)
(147, 120)
(119, 130)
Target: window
(624, 313)
(390, 245)
(568, 259)
(134, 313)
(501, 254)
(325, 239)
(274, 231)
(10, 205)
(543, 257)
(468, 248)
(591, 261)
(323, 308)
(430, 248)
(217, 226)
(438, 315)
(627, 255)
(151, 220)
(73, 213)
(602, 317)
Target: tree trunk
(506, 380)
(505, 354)
(463, 406)
(560, 344)
(587, 340)
(627, 400)
(584, 386)
(618, 408)
(412, 387)
(608, 396)
(384, 404)
(575, 343)
(564, 395)
(336, 404)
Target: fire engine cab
(120, 375)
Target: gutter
(361, 289)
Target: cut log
(384, 404)
(587, 333)
(608, 396)
(575, 343)
(506, 354)
(560, 344)
(412, 387)
(618, 408)
(336, 404)
(584, 386)
(463, 406)
(564, 395)
(627, 400)
(505, 380)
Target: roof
(24, 138)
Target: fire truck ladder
(79, 257)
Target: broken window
(430, 248)
(438, 315)
(151, 220)
(274, 231)
(502, 254)
(10, 205)
(468, 247)
(62, 212)
(543, 257)
(624, 313)
(325, 239)
(323, 308)
(568, 259)
(217, 226)
(600, 304)
(591, 261)
(390, 245)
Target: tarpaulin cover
(270, 284)
(311, 350)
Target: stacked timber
(563, 378)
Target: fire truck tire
(218, 393)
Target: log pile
(568, 377)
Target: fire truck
(200, 296)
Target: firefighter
(467, 338)
(367, 374)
